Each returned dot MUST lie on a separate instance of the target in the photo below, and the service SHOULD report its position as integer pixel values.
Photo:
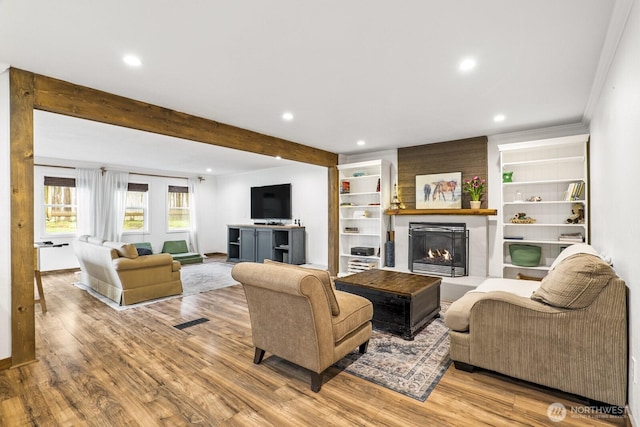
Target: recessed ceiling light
(361, 142)
(278, 158)
(287, 116)
(209, 170)
(132, 60)
(499, 118)
(467, 64)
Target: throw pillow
(575, 282)
(126, 250)
(578, 248)
(323, 276)
(144, 251)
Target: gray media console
(256, 243)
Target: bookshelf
(549, 182)
(364, 194)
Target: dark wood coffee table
(403, 303)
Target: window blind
(56, 181)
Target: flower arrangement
(475, 187)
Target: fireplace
(439, 248)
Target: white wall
(308, 203)
(63, 258)
(615, 151)
(5, 215)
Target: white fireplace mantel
(478, 226)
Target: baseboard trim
(65, 270)
(5, 364)
(215, 254)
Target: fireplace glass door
(439, 248)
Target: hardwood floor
(98, 366)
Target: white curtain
(193, 235)
(114, 199)
(88, 194)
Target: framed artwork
(439, 191)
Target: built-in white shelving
(364, 194)
(545, 169)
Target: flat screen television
(271, 202)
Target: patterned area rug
(196, 278)
(412, 368)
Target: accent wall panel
(468, 156)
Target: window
(60, 205)
(136, 209)
(178, 208)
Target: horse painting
(442, 187)
(439, 191)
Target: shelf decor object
(542, 182)
(396, 203)
(362, 221)
(475, 188)
(525, 255)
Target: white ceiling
(385, 72)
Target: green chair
(144, 245)
(180, 252)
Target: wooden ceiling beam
(58, 96)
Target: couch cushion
(355, 311)
(175, 247)
(95, 240)
(323, 276)
(575, 282)
(459, 312)
(188, 258)
(126, 250)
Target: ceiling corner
(617, 24)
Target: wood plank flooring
(100, 367)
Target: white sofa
(115, 270)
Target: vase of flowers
(475, 187)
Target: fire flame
(444, 254)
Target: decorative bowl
(525, 255)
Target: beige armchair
(569, 334)
(298, 316)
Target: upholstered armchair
(298, 316)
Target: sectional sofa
(568, 332)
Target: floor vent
(191, 323)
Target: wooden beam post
(23, 345)
(333, 217)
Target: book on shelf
(571, 237)
(574, 191)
